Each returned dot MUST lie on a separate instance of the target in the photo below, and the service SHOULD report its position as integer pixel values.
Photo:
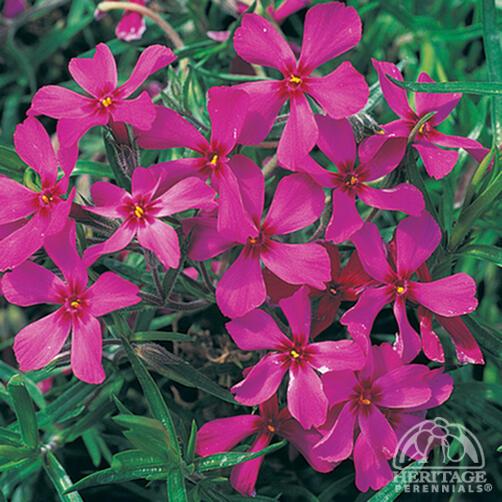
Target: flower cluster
(344, 396)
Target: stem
(145, 11)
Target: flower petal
(261, 381)
(40, 342)
(257, 331)
(130, 27)
(345, 220)
(449, 297)
(152, 59)
(227, 108)
(336, 356)
(138, 112)
(341, 93)
(297, 310)
(242, 288)
(34, 146)
(416, 239)
(118, 241)
(338, 443)
(395, 96)
(431, 344)
(109, 196)
(306, 399)
(298, 202)
(437, 162)
(162, 240)
(265, 102)
(378, 431)
(257, 41)
(223, 434)
(30, 284)
(403, 197)
(58, 102)
(371, 250)
(336, 140)
(300, 133)
(339, 386)
(111, 292)
(298, 263)
(171, 130)
(16, 201)
(86, 350)
(407, 340)
(442, 104)
(189, 193)
(243, 476)
(372, 469)
(330, 30)
(71, 130)
(96, 75)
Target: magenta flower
(12, 8)
(374, 407)
(428, 141)
(39, 343)
(330, 30)
(227, 108)
(336, 141)
(286, 9)
(223, 434)
(466, 347)
(48, 210)
(131, 25)
(302, 360)
(141, 213)
(297, 203)
(416, 239)
(107, 103)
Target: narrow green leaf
(97, 169)
(231, 458)
(11, 165)
(484, 252)
(24, 409)
(160, 336)
(190, 449)
(60, 479)
(480, 88)
(176, 489)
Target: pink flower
(375, 407)
(141, 213)
(286, 9)
(21, 236)
(330, 30)
(227, 109)
(303, 360)
(336, 141)
(223, 434)
(466, 347)
(438, 162)
(39, 343)
(416, 239)
(12, 8)
(297, 203)
(132, 24)
(346, 284)
(107, 103)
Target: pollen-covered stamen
(106, 102)
(214, 159)
(47, 198)
(271, 428)
(364, 400)
(75, 304)
(139, 212)
(351, 180)
(295, 79)
(400, 288)
(294, 354)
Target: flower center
(400, 288)
(364, 400)
(295, 80)
(75, 304)
(106, 102)
(139, 212)
(271, 428)
(351, 180)
(294, 354)
(214, 159)
(47, 199)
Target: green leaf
(60, 479)
(160, 336)
(231, 458)
(11, 165)
(483, 252)
(190, 449)
(480, 88)
(171, 366)
(489, 338)
(176, 490)
(392, 491)
(25, 411)
(97, 169)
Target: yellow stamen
(252, 240)
(399, 290)
(214, 159)
(421, 128)
(295, 80)
(75, 304)
(106, 102)
(271, 428)
(139, 212)
(47, 198)
(364, 401)
(353, 180)
(294, 354)
(380, 131)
